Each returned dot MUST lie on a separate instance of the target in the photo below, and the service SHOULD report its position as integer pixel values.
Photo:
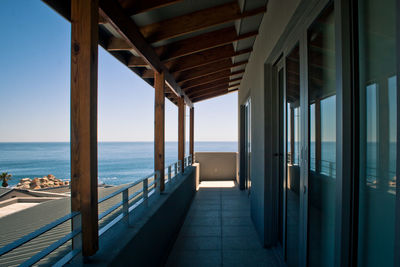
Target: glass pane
(292, 156)
(378, 131)
(322, 140)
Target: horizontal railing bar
(69, 256)
(119, 204)
(126, 187)
(110, 224)
(36, 233)
(37, 257)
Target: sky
(35, 87)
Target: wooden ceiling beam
(207, 69)
(206, 97)
(127, 28)
(207, 87)
(133, 7)
(204, 58)
(200, 43)
(202, 80)
(195, 21)
(210, 90)
(135, 61)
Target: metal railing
(132, 195)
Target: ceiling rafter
(207, 69)
(126, 27)
(206, 91)
(202, 80)
(133, 7)
(195, 21)
(204, 58)
(212, 95)
(207, 82)
(201, 42)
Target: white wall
(275, 20)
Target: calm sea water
(119, 162)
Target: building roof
(19, 224)
(202, 46)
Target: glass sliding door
(292, 165)
(378, 132)
(322, 140)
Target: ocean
(119, 162)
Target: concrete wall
(273, 25)
(217, 165)
(148, 240)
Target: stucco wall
(275, 20)
(217, 165)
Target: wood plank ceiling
(201, 46)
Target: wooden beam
(212, 94)
(118, 44)
(196, 21)
(135, 61)
(208, 90)
(181, 131)
(204, 58)
(159, 126)
(207, 69)
(191, 134)
(84, 62)
(128, 30)
(210, 78)
(224, 80)
(133, 7)
(205, 97)
(200, 43)
(207, 86)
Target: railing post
(145, 192)
(125, 203)
(176, 168)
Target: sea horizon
(119, 162)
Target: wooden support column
(159, 126)
(181, 131)
(84, 60)
(191, 147)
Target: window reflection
(378, 131)
(322, 140)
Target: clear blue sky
(35, 87)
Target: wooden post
(191, 152)
(159, 129)
(84, 60)
(181, 131)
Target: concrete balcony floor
(218, 231)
